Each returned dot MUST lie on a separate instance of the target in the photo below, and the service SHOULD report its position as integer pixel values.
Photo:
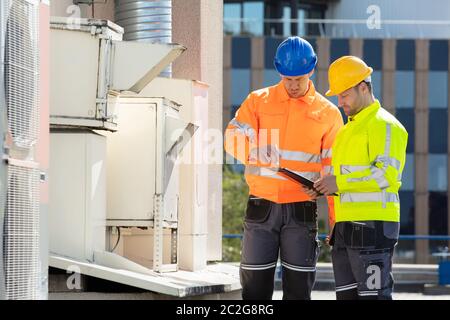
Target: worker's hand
(327, 240)
(326, 185)
(310, 192)
(268, 154)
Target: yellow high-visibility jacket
(368, 157)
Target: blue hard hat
(295, 57)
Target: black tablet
(298, 178)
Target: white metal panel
(95, 193)
(77, 194)
(193, 212)
(131, 154)
(135, 64)
(73, 73)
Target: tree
(235, 195)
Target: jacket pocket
(272, 119)
(258, 209)
(360, 235)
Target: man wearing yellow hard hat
(368, 157)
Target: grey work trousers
(287, 230)
(362, 259)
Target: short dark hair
(368, 84)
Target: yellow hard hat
(345, 73)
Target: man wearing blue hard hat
(281, 218)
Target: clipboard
(299, 179)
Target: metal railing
(334, 28)
(322, 236)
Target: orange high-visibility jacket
(303, 130)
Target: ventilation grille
(21, 217)
(22, 72)
(21, 233)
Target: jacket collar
(308, 98)
(364, 113)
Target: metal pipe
(146, 21)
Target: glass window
(437, 138)
(438, 213)
(406, 117)
(373, 54)
(254, 18)
(376, 81)
(286, 21)
(404, 89)
(240, 85)
(437, 172)
(270, 48)
(240, 52)
(438, 89)
(231, 17)
(408, 173)
(339, 48)
(301, 27)
(271, 77)
(406, 212)
(439, 55)
(406, 55)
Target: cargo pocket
(305, 213)
(258, 210)
(390, 235)
(314, 248)
(360, 235)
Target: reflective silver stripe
(347, 287)
(378, 176)
(258, 266)
(349, 169)
(297, 268)
(299, 156)
(388, 161)
(328, 169)
(263, 172)
(367, 293)
(244, 128)
(272, 173)
(367, 178)
(313, 176)
(387, 149)
(369, 197)
(326, 153)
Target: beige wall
(197, 24)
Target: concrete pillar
(227, 81)
(257, 63)
(388, 75)
(356, 47)
(421, 150)
(323, 61)
(197, 24)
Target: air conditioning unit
(78, 193)
(194, 233)
(91, 65)
(19, 130)
(142, 171)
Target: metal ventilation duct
(146, 21)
